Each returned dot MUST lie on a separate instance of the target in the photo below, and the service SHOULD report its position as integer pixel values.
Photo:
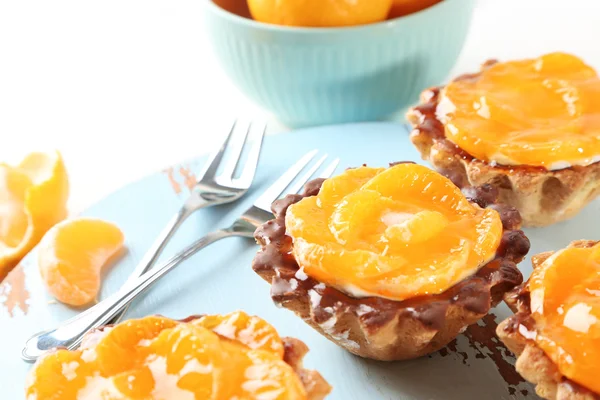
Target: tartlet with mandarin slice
(233, 356)
(555, 331)
(392, 263)
(530, 128)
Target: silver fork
(210, 190)
(70, 333)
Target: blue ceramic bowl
(318, 76)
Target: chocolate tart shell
(379, 328)
(532, 363)
(542, 197)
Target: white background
(125, 87)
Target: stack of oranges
(324, 13)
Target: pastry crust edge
(532, 363)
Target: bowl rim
(210, 4)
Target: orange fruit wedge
(319, 13)
(71, 256)
(33, 197)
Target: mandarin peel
(33, 197)
(155, 357)
(396, 233)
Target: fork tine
(328, 172)
(273, 192)
(215, 159)
(249, 169)
(306, 177)
(236, 147)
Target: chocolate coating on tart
(542, 197)
(380, 328)
(533, 364)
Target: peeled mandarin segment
(333, 266)
(186, 350)
(72, 255)
(418, 228)
(123, 347)
(270, 377)
(33, 198)
(540, 112)
(434, 278)
(135, 384)
(422, 186)
(319, 13)
(336, 188)
(251, 331)
(405, 232)
(566, 307)
(357, 213)
(57, 376)
(298, 213)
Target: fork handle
(154, 252)
(70, 333)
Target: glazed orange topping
(565, 303)
(396, 233)
(540, 112)
(214, 357)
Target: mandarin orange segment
(412, 183)
(357, 210)
(565, 303)
(186, 350)
(336, 188)
(270, 377)
(251, 331)
(57, 376)
(33, 197)
(418, 228)
(158, 358)
(123, 346)
(405, 232)
(541, 112)
(71, 257)
(319, 13)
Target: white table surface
(125, 87)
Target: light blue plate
(220, 279)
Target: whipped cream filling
(446, 107)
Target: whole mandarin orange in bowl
(317, 62)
